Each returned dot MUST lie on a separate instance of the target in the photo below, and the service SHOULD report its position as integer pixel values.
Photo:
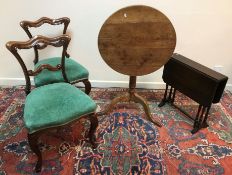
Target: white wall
(204, 33)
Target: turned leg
(87, 86)
(164, 100)
(201, 120)
(32, 140)
(146, 108)
(173, 96)
(170, 94)
(93, 126)
(201, 117)
(205, 124)
(198, 119)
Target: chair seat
(55, 105)
(74, 71)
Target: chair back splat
(40, 42)
(75, 72)
(26, 25)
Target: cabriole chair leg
(87, 86)
(33, 143)
(93, 126)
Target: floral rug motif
(128, 145)
(127, 142)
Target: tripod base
(132, 97)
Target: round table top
(137, 40)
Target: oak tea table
(136, 41)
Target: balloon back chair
(54, 105)
(75, 72)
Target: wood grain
(136, 40)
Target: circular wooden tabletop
(136, 40)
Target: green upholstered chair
(53, 105)
(75, 72)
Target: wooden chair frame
(26, 25)
(40, 42)
(33, 138)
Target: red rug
(127, 143)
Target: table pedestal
(132, 96)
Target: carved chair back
(39, 42)
(26, 25)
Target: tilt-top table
(135, 41)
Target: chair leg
(87, 86)
(32, 140)
(93, 126)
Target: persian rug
(127, 142)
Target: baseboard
(94, 83)
(99, 83)
(13, 81)
(125, 84)
(229, 87)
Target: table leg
(137, 98)
(131, 96)
(171, 96)
(205, 124)
(164, 100)
(109, 108)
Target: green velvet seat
(74, 71)
(55, 105)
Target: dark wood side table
(203, 85)
(135, 41)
